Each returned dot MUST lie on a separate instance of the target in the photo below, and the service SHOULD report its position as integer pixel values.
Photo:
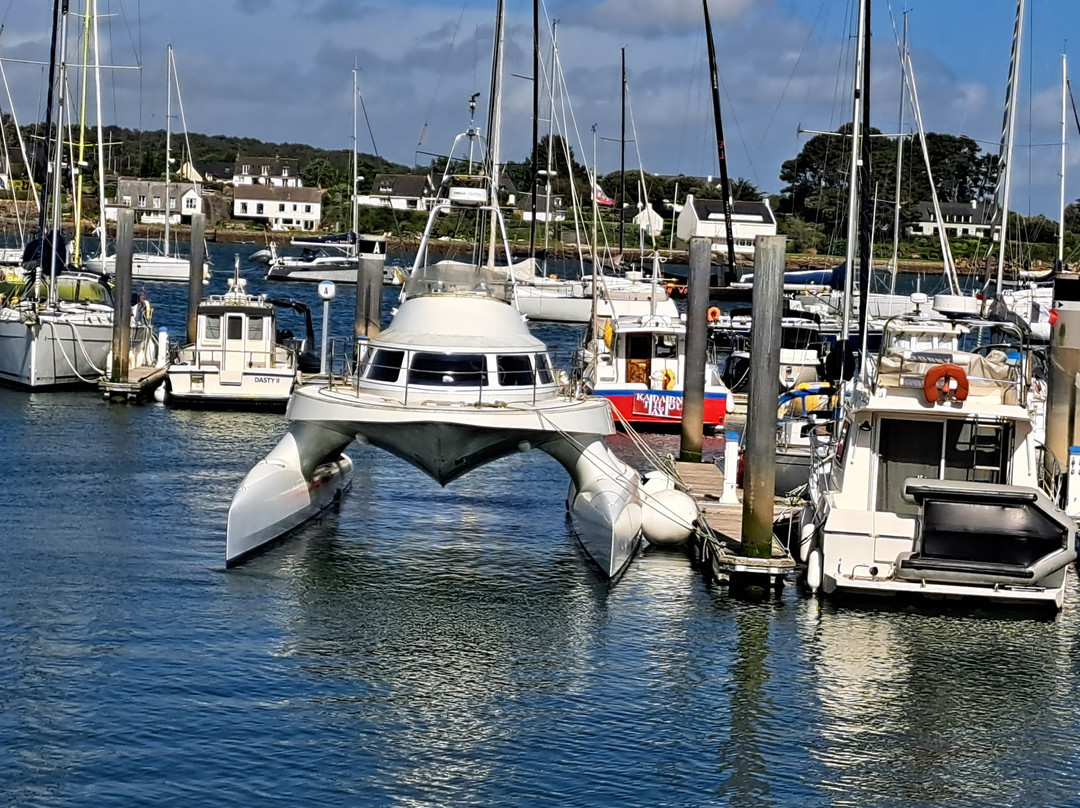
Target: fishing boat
(635, 357)
(240, 357)
(931, 488)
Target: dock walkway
(719, 537)
(140, 383)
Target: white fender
(813, 570)
(161, 394)
(667, 516)
(807, 530)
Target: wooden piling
(367, 319)
(121, 340)
(697, 306)
(197, 257)
(760, 460)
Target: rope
(82, 347)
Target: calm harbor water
(436, 647)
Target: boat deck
(721, 541)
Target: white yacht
(149, 266)
(930, 487)
(240, 357)
(454, 382)
(336, 258)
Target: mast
(866, 207)
(853, 178)
(899, 160)
(1008, 135)
(76, 239)
(100, 136)
(54, 242)
(1061, 203)
(41, 162)
(355, 162)
(551, 134)
(168, 139)
(495, 119)
(622, 158)
(721, 151)
(535, 123)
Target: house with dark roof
(206, 171)
(151, 198)
(958, 219)
(705, 217)
(400, 192)
(549, 208)
(281, 207)
(282, 172)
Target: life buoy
(668, 380)
(944, 382)
(713, 314)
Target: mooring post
(760, 463)
(197, 257)
(121, 341)
(327, 290)
(693, 383)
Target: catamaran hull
(302, 476)
(51, 351)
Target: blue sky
(279, 70)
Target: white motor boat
(240, 358)
(149, 266)
(336, 258)
(454, 382)
(930, 486)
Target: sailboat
(165, 262)
(927, 485)
(56, 323)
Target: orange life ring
(713, 314)
(938, 383)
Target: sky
(281, 71)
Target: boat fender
(668, 380)
(813, 570)
(945, 381)
(806, 533)
(609, 335)
(713, 314)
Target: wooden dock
(720, 526)
(140, 384)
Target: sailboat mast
(355, 160)
(551, 134)
(721, 151)
(42, 160)
(899, 160)
(54, 242)
(76, 239)
(1008, 135)
(622, 158)
(1061, 202)
(535, 124)
(853, 178)
(495, 119)
(100, 136)
(866, 206)
(168, 139)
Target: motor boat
(336, 258)
(240, 357)
(928, 485)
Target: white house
(549, 208)
(705, 217)
(281, 172)
(960, 219)
(283, 208)
(149, 199)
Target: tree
(1072, 217)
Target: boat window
(906, 449)
(213, 327)
(454, 370)
(977, 452)
(543, 369)
(234, 327)
(383, 365)
(255, 328)
(514, 370)
(666, 346)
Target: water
(453, 647)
